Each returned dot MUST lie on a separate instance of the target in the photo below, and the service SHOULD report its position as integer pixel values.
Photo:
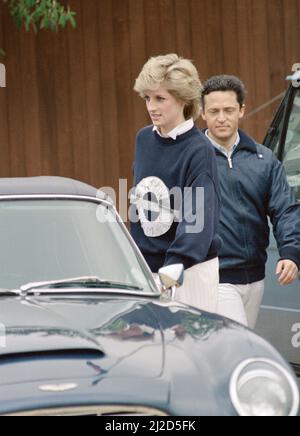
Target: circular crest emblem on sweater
(152, 199)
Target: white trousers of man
(200, 286)
(241, 302)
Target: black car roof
(47, 186)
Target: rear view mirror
(172, 277)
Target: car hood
(120, 330)
(112, 326)
(141, 351)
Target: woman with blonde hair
(176, 197)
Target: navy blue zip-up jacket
(254, 189)
(160, 165)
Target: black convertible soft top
(47, 186)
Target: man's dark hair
(225, 83)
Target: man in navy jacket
(253, 187)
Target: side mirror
(172, 277)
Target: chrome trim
(237, 372)
(36, 286)
(279, 309)
(61, 387)
(83, 291)
(56, 197)
(116, 410)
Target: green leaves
(41, 14)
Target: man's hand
(287, 271)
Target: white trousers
(241, 302)
(200, 286)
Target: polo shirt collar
(178, 130)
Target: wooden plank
(62, 100)
(230, 36)
(92, 65)
(47, 107)
(212, 22)
(198, 37)
(30, 103)
(245, 55)
(262, 91)
(152, 28)
(138, 57)
(276, 47)
(78, 107)
(123, 86)
(167, 26)
(291, 17)
(15, 121)
(109, 99)
(4, 134)
(182, 23)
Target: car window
(43, 240)
(275, 140)
(291, 156)
(273, 137)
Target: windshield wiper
(75, 282)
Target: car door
(279, 319)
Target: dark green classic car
(84, 330)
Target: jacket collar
(246, 142)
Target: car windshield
(46, 240)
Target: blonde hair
(179, 77)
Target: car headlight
(262, 387)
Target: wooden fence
(68, 107)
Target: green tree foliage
(40, 14)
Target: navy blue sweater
(166, 230)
